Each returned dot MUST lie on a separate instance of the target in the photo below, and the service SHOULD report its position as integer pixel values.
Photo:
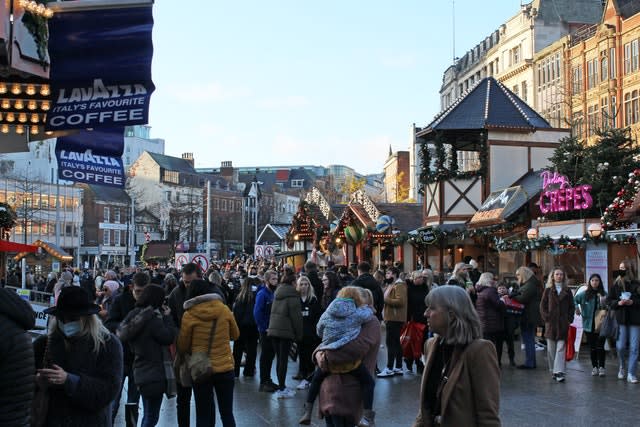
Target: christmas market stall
(308, 235)
(378, 233)
(464, 154)
(48, 257)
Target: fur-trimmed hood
(205, 307)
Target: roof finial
(390, 151)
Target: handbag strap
(211, 335)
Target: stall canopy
(7, 246)
(50, 248)
(503, 204)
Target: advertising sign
(92, 157)
(101, 68)
(596, 262)
(558, 196)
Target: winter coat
(310, 316)
(625, 314)
(16, 356)
(341, 323)
(471, 395)
(529, 294)
(120, 307)
(243, 313)
(93, 380)
(367, 281)
(588, 308)
(415, 299)
(557, 312)
(395, 302)
(196, 329)
(175, 301)
(490, 309)
(149, 335)
(262, 308)
(285, 320)
(341, 394)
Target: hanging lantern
(353, 234)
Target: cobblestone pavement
(528, 398)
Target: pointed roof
(488, 104)
(172, 163)
(627, 8)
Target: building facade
(396, 177)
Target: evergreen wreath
(440, 171)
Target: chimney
(226, 169)
(188, 157)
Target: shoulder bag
(609, 325)
(598, 318)
(40, 402)
(198, 363)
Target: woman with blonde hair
(529, 293)
(557, 308)
(310, 315)
(461, 379)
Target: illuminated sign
(558, 196)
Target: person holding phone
(624, 299)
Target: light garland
(624, 199)
(36, 8)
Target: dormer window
(297, 183)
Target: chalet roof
(172, 163)
(571, 11)
(627, 8)
(408, 216)
(488, 105)
(277, 230)
(108, 194)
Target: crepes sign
(101, 68)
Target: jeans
(151, 410)
(267, 353)
(596, 347)
(282, 347)
(630, 334)
(206, 408)
(394, 350)
(528, 339)
(246, 343)
(556, 355)
(183, 404)
(133, 395)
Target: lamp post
(532, 233)
(595, 230)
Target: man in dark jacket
(17, 367)
(367, 281)
(262, 313)
(122, 305)
(311, 268)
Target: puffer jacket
(285, 320)
(490, 309)
(149, 334)
(199, 313)
(16, 354)
(395, 302)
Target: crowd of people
(189, 334)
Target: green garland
(142, 252)
(561, 244)
(38, 26)
(7, 216)
(440, 171)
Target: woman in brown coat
(556, 310)
(461, 379)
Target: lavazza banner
(100, 68)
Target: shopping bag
(411, 339)
(570, 347)
(609, 326)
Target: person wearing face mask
(80, 361)
(247, 342)
(624, 300)
(556, 309)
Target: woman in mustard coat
(207, 314)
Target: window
(170, 176)
(68, 230)
(106, 215)
(516, 90)
(634, 55)
(177, 197)
(592, 119)
(515, 55)
(614, 111)
(627, 58)
(604, 113)
(167, 196)
(592, 73)
(627, 109)
(576, 126)
(216, 204)
(576, 80)
(116, 215)
(297, 183)
(634, 106)
(604, 69)
(106, 237)
(612, 62)
(524, 91)
(223, 205)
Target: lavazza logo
(85, 166)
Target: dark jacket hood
(17, 309)
(286, 291)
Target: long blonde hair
(312, 293)
(92, 326)
(551, 283)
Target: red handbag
(411, 339)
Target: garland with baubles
(440, 172)
(624, 199)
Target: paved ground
(528, 399)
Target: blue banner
(92, 157)
(100, 68)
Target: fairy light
(19, 104)
(19, 130)
(45, 106)
(35, 118)
(34, 130)
(4, 129)
(22, 118)
(16, 89)
(32, 105)
(45, 90)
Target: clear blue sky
(305, 82)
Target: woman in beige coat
(461, 379)
(395, 316)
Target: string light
(6, 104)
(19, 130)
(45, 106)
(18, 105)
(16, 89)
(4, 129)
(34, 130)
(35, 118)
(3, 88)
(36, 8)
(30, 90)
(45, 90)
(22, 118)
(11, 117)
(32, 105)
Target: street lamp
(532, 233)
(595, 230)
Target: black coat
(625, 314)
(415, 300)
(243, 312)
(121, 306)
(98, 375)
(311, 312)
(149, 335)
(530, 295)
(367, 281)
(17, 368)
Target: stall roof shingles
(408, 216)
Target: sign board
(269, 251)
(426, 236)
(596, 263)
(42, 318)
(558, 196)
(55, 267)
(494, 205)
(201, 261)
(24, 294)
(181, 259)
(258, 251)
